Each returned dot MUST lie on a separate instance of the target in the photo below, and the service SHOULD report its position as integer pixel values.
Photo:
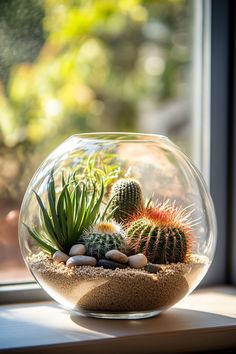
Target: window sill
(205, 320)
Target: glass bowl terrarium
(117, 225)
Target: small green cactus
(127, 199)
(102, 238)
(161, 240)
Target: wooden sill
(205, 320)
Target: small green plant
(161, 235)
(127, 199)
(102, 238)
(101, 164)
(68, 213)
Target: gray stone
(105, 263)
(137, 261)
(152, 268)
(80, 261)
(116, 256)
(77, 250)
(59, 256)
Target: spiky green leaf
(47, 247)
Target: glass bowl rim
(122, 137)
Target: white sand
(97, 289)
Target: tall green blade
(37, 238)
(87, 218)
(104, 214)
(97, 205)
(69, 214)
(52, 205)
(81, 211)
(62, 215)
(47, 220)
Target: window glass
(77, 66)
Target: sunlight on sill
(48, 316)
(220, 302)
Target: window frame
(232, 147)
(221, 100)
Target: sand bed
(97, 289)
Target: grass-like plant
(68, 213)
(98, 165)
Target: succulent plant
(69, 208)
(127, 199)
(163, 236)
(103, 237)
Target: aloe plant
(68, 213)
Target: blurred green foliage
(71, 66)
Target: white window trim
(201, 86)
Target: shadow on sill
(176, 320)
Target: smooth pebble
(105, 263)
(81, 260)
(77, 250)
(137, 261)
(152, 268)
(60, 256)
(117, 256)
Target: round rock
(137, 261)
(105, 263)
(152, 268)
(59, 256)
(80, 261)
(77, 250)
(116, 256)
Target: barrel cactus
(127, 199)
(102, 238)
(160, 235)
